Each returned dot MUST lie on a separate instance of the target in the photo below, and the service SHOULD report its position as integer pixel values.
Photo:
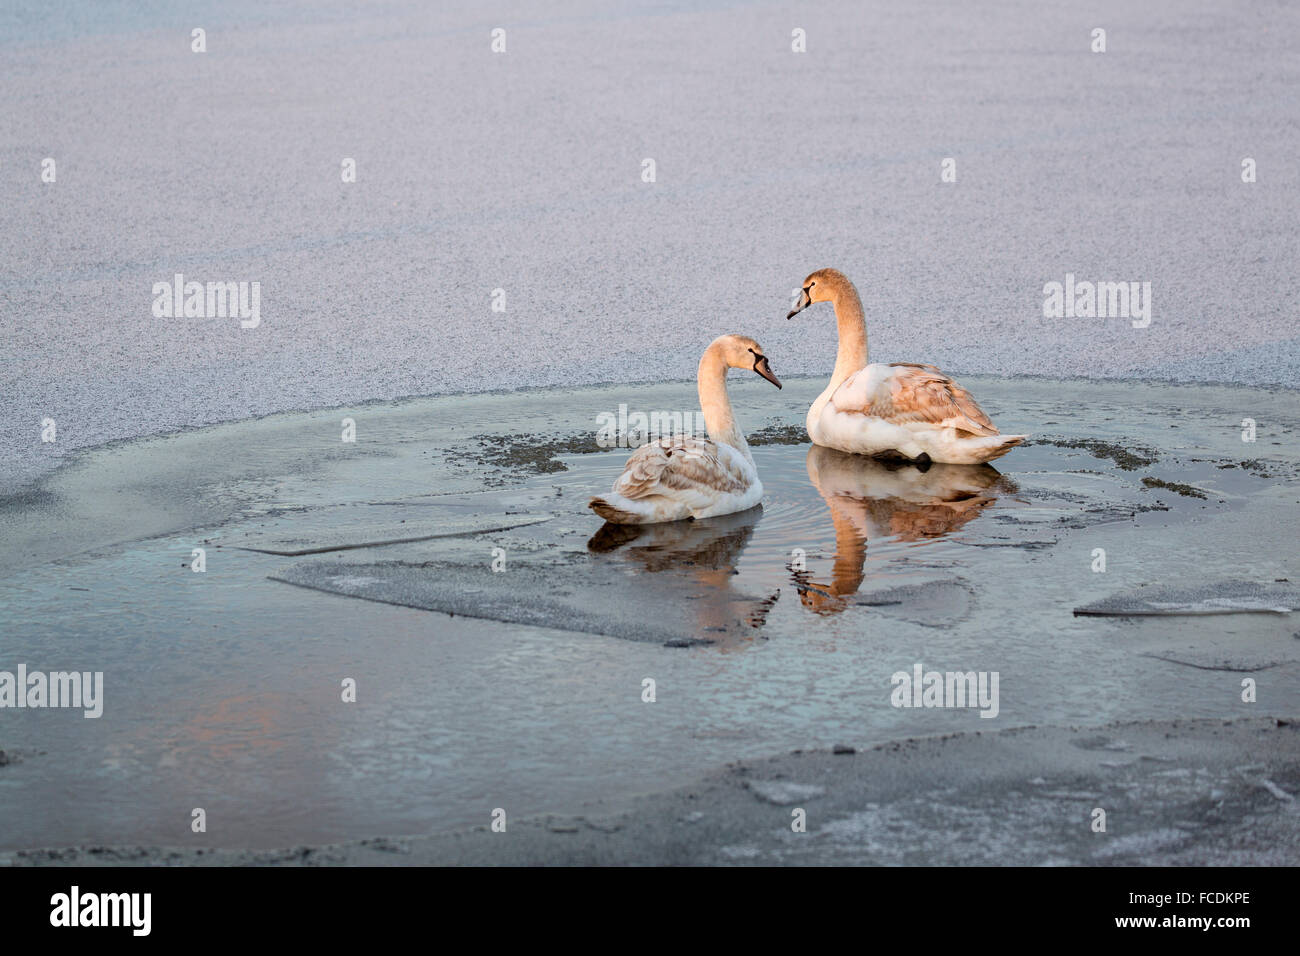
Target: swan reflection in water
(705, 552)
(871, 499)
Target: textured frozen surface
(1210, 597)
(522, 172)
(1182, 792)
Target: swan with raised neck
(900, 410)
(682, 476)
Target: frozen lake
(522, 172)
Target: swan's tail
(613, 513)
(995, 446)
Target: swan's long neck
(718, 417)
(852, 354)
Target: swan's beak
(803, 303)
(764, 368)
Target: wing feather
(680, 465)
(911, 393)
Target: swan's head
(740, 351)
(822, 286)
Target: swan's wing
(683, 467)
(904, 393)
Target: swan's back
(680, 477)
(909, 410)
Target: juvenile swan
(902, 409)
(687, 477)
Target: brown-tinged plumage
(921, 393)
(903, 409)
(685, 476)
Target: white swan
(687, 477)
(902, 409)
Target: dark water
(223, 689)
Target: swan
(903, 409)
(684, 477)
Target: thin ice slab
(1217, 597)
(350, 528)
(594, 598)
